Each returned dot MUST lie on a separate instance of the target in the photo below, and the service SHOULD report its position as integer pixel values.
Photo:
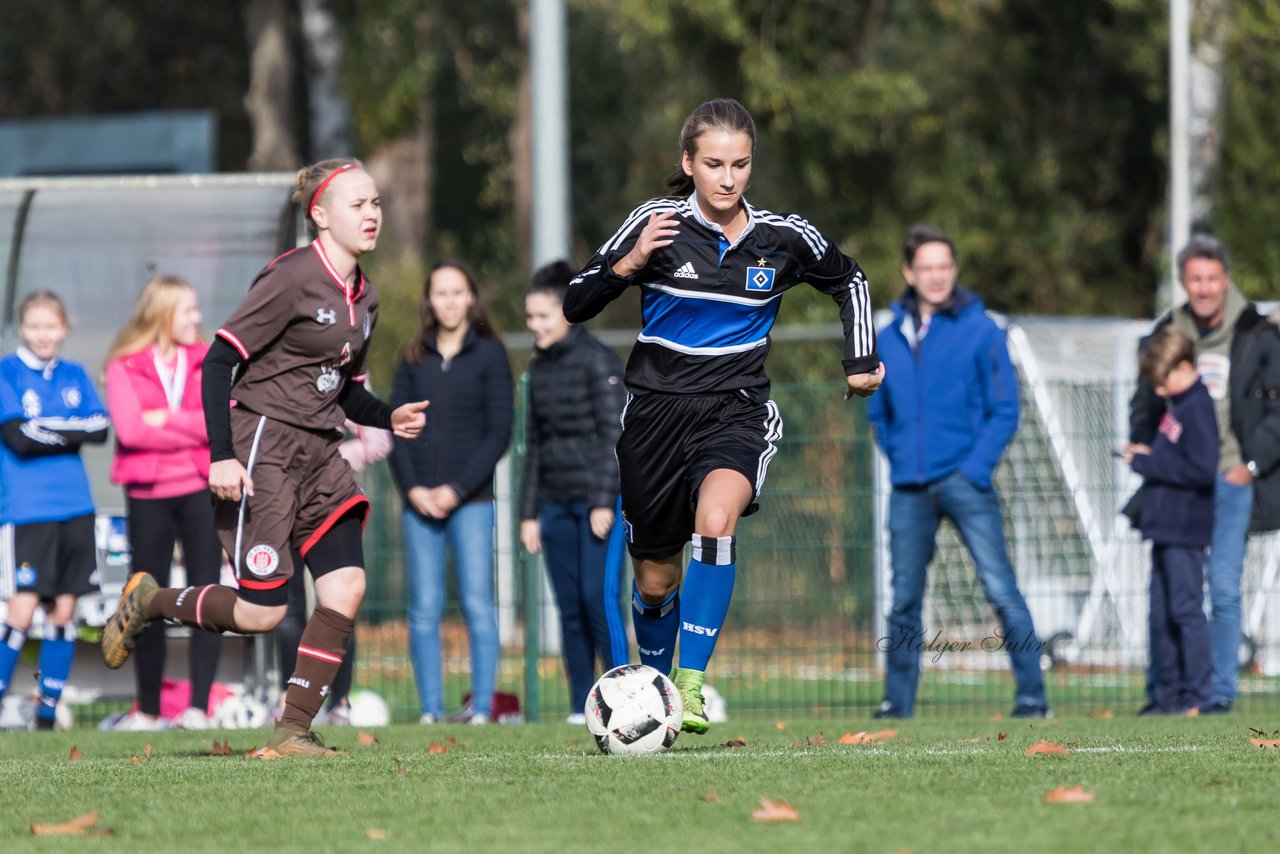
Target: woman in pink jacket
(162, 461)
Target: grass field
(1159, 784)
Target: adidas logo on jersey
(686, 272)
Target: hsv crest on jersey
(71, 397)
(326, 315)
(26, 575)
(760, 278)
(262, 560)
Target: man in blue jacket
(944, 416)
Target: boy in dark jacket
(1177, 516)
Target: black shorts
(49, 558)
(670, 443)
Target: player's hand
(155, 417)
(658, 232)
(228, 479)
(408, 420)
(531, 536)
(864, 385)
(601, 519)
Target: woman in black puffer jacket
(569, 496)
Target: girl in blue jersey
(48, 409)
(699, 429)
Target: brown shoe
(291, 741)
(122, 629)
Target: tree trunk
(1211, 22)
(330, 118)
(269, 101)
(521, 138)
(404, 169)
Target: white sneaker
(576, 719)
(479, 718)
(191, 718)
(138, 722)
(339, 715)
(427, 719)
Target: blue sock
(656, 628)
(708, 587)
(11, 641)
(56, 651)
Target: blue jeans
(914, 516)
(1232, 509)
(468, 532)
(586, 588)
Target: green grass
(1160, 784)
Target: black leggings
(154, 526)
(289, 635)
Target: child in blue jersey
(48, 409)
(699, 430)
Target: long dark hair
(723, 114)
(477, 316)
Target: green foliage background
(1035, 132)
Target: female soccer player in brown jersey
(295, 350)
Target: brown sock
(324, 641)
(211, 607)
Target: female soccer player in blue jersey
(48, 409)
(699, 428)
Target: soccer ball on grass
(634, 710)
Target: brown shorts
(301, 487)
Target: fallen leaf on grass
(975, 740)
(996, 717)
(1063, 795)
(437, 747)
(1001, 736)
(400, 772)
(376, 833)
(775, 811)
(866, 737)
(1266, 743)
(781, 725)
(222, 748)
(365, 738)
(147, 752)
(1105, 714)
(735, 742)
(75, 753)
(82, 826)
(820, 738)
(711, 797)
(1046, 748)
(135, 760)
(1215, 782)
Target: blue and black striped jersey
(708, 305)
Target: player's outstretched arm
(864, 385)
(408, 420)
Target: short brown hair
(1164, 351)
